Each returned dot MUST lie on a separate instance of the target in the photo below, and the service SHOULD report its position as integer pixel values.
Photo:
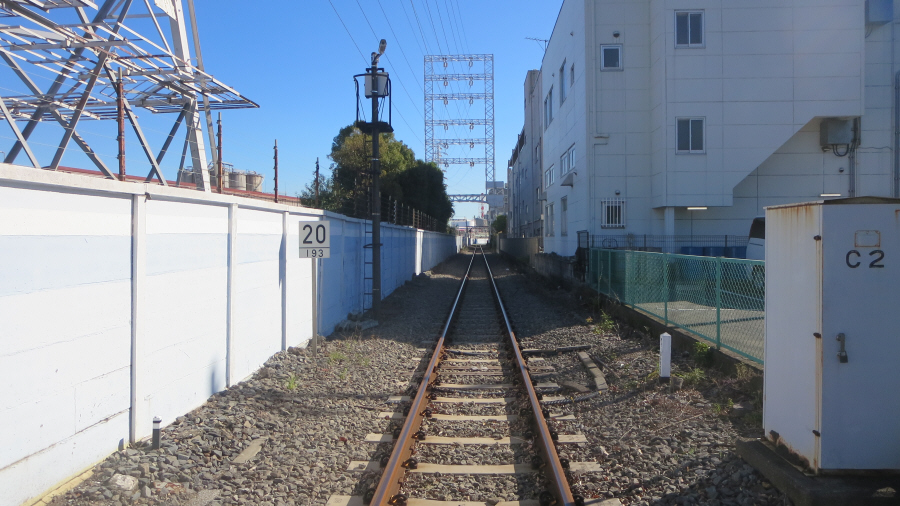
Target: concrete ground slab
(805, 490)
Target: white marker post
(665, 357)
(315, 243)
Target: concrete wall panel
(80, 256)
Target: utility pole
(376, 190)
(317, 182)
(276, 171)
(120, 117)
(219, 157)
(377, 86)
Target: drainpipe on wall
(896, 173)
(851, 158)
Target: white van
(756, 250)
(756, 246)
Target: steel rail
(391, 478)
(552, 466)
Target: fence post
(666, 284)
(629, 279)
(718, 303)
(609, 273)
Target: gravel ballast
(308, 416)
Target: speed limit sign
(315, 239)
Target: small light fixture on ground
(156, 421)
(830, 195)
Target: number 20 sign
(315, 239)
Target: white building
(524, 173)
(653, 107)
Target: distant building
(524, 172)
(685, 117)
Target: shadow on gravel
(416, 311)
(729, 481)
(514, 284)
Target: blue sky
(296, 60)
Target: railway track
(477, 416)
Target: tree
(327, 196)
(411, 182)
(351, 152)
(422, 187)
(499, 224)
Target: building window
(549, 177)
(612, 213)
(572, 75)
(548, 108)
(689, 135)
(562, 83)
(567, 161)
(548, 226)
(611, 57)
(689, 29)
(564, 216)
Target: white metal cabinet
(833, 268)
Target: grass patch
(291, 382)
(723, 408)
(693, 377)
(606, 325)
(703, 354)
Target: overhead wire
(408, 64)
(453, 85)
(402, 117)
(424, 50)
(386, 57)
(459, 50)
(348, 32)
(462, 26)
(453, 31)
(421, 30)
(462, 42)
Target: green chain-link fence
(719, 299)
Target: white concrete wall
(120, 302)
(765, 71)
(568, 127)
(65, 334)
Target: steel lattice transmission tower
(105, 58)
(475, 73)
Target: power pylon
(473, 73)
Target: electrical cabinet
(879, 12)
(835, 132)
(833, 333)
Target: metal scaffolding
(88, 49)
(472, 70)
